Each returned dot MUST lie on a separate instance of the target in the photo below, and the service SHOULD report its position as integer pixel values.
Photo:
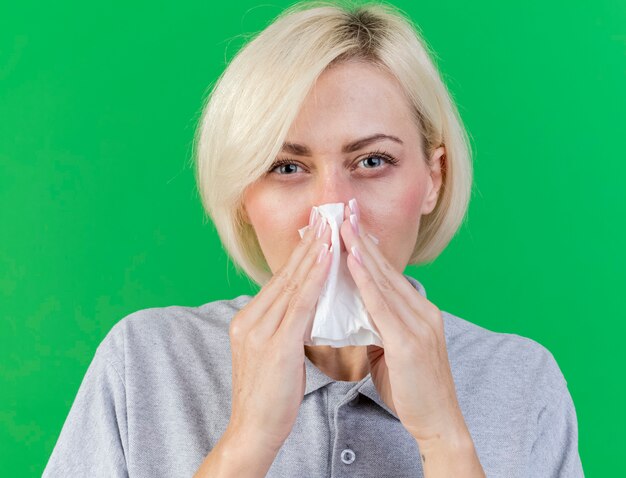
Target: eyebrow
(302, 150)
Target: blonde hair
(252, 105)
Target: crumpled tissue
(341, 318)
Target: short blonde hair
(251, 107)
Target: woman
(329, 104)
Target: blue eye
(379, 155)
(371, 157)
(283, 162)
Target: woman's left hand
(411, 373)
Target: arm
(237, 454)
(452, 455)
(94, 437)
(554, 452)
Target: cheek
(399, 228)
(276, 224)
(403, 211)
(410, 204)
(276, 239)
(268, 211)
(274, 228)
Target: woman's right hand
(267, 343)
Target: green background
(100, 217)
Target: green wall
(100, 216)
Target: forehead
(353, 96)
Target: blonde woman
(331, 103)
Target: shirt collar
(316, 379)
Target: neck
(346, 364)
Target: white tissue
(340, 316)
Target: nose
(334, 186)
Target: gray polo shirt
(156, 398)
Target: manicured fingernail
(313, 215)
(357, 255)
(311, 229)
(354, 208)
(321, 228)
(355, 226)
(322, 253)
(373, 238)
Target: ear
(434, 180)
(244, 215)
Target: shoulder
(505, 362)
(171, 330)
(214, 316)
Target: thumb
(374, 352)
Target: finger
(379, 289)
(296, 292)
(386, 273)
(293, 286)
(268, 294)
(416, 301)
(392, 329)
(301, 309)
(370, 244)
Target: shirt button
(347, 456)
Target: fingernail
(357, 255)
(373, 238)
(354, 208)
(355, 226)
(321, 228)
(313, 215)
(322, 253)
